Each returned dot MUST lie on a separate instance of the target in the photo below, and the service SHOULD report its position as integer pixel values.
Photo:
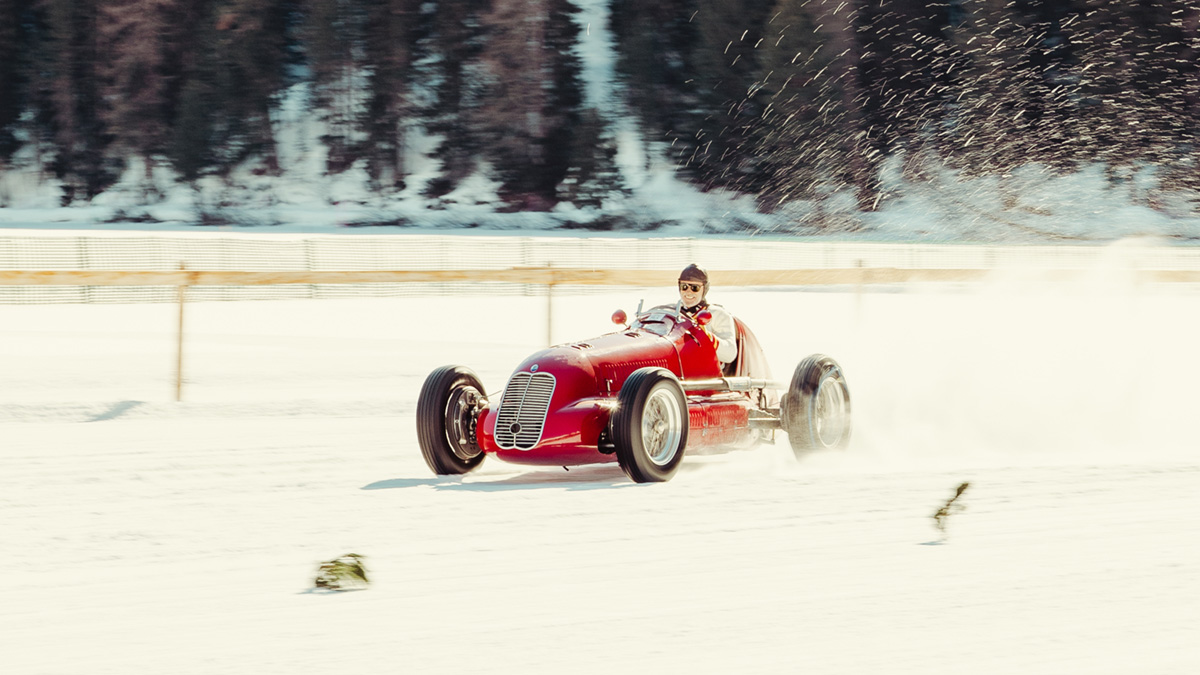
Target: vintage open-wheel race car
(642, 396)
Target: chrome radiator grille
(522, 413)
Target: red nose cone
(704, 317)
(619, 316)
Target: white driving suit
(722, 329)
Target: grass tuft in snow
(951, 506)
(347, 573)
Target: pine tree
(592, 176)
(800, 111)
(1056, 62)
(69, 97)
(1138, 80)
(189, 146)
(816, 126)
(510, 113)
(1187, 59)
(197, 110)
(456, 40)
(655, 42)
(565, 89)
(247, 66)
(1004, 111)
(335, 36)
(855, 142)
(725, 57)
(906, 73)
(394, 31)
(14, 39)
(133, 76)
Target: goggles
(695, 288)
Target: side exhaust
(729, 384)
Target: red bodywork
(586, 377)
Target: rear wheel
(650, 425)
(447, 410)
(816, 407)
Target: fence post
(182, 293)
(550, 312)
(858, 291)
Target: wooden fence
(546, 276)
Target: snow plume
(1096, 368)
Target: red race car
(642, 396)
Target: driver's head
(693, 285)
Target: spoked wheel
(816, 408)
(650, 425)
(447, 411)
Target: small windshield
(657, 320)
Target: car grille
(522, 413)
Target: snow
(1033, 205)
(145, 535)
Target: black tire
(816, 407)
(650, 425)
(446, 413)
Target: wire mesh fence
(130, 251)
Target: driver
(693, 293)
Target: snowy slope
(148, 536)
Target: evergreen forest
(778, 99)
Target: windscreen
(658, 320)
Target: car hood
(600, 366)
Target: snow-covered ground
(1033, 205)
(144, 535)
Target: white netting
(129, 251)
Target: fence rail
(112, 267)
(41, 267)
(541, 276)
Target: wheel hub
(462, 418)
(830, 413)
(661, 427)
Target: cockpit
(657, 320)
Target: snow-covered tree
(530, 96)
(655, 42)
(334, 43)
(133, 40)
(393, 31)
(456, 38)
(69, 98)
(816, 128)
(13, 69)
(1139, 80)
(592, 176)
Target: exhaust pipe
(729, 384)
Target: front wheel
(816, 407)
(650, 425)
(447, 412)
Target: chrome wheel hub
(830, 412)
(662, 427)
(462, 415)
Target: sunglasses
(695, 288)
